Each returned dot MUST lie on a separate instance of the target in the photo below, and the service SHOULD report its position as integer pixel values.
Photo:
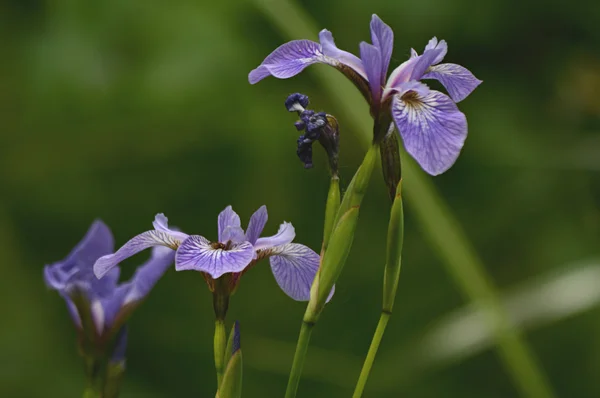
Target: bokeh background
(122, 109)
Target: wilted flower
(318, 126)
(429, 122)
(294, 265)
(99, 308)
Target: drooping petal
(161, 223)
(459, 81)
(285, 235)
(294, 267)
(331, 51)
(432, 128)
(435, 45)
(257, 224)
(371, 58)
(135, 245)
(383, 38)
(227, 218)
(288, 60)
(196, 253)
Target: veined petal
(423, 62)
(285, 235)
(135, 245)
(413, 85)
(257, 224)
(432, 128)
(161, 223)
(294, 267)
(288, 60)
(196, 253)
(459, 81)
(331, 51)
(371, 58)
(435, 45)
(383, 38)
(227, 218)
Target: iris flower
(233, 253)
(429, 122)
(99, 307)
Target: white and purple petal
(432, 128)
(294, 267)
(458, 80)
(435, 45)
(284, 235)
(135, 245)
(161, 223)
(257, 224)
(288, 60)
(334, 55)
(383, 38)
(228, 219)
(371, 57)
(198, 254)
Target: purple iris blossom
(104, 302)
(294, 265)
(429, 122)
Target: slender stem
(91, 392)
(368, 364)
(219, 347)
(298, 364)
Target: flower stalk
(395, 240)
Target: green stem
(368, 364)
(91, 392)
(219, 347)
(300, 354)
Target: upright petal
(227, 218)
(294, 267)
(371, 58)
(196, 253)
(135, 245)
(286, 234)
(435, 45)
(459, 81)
(331, 51)
(423, 62)
(257, 224)
(432, 128)
(383, 38)
(161, 223)
(288, 60)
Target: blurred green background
(122, 109)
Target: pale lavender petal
(435, 45)
(331, 51)
(423, 63)
(288, 60)
(161, 223)
(233, 234)
(294, 267)
(371, 58)
(413, 85)
(400, 75)
(432, 128)
(459, 81)
(285, 235)
(227, 218)
(196, 253)
(383, 38)
(97, 313)
(149, 273)
(257, 224)
(413, 53)
(135, 245)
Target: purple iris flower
(294, 265)
(103, 301)
(429, 122)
